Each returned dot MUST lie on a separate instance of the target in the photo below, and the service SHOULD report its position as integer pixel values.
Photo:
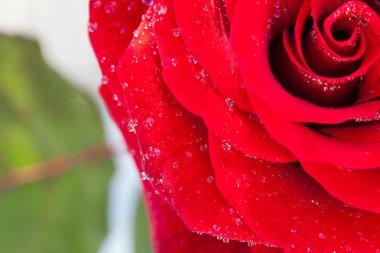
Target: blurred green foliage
(143, 244)
(42, 116)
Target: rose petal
(360, 189)
(170, 234)
(285, 206)
(111, 29)
(324, 61)
(211, 44)
(237, 128)
(230, 8)
(370, 89)
(369, 132)
(297, 138)
(253, 54)
(302, 82)
(173, 159)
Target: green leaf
(43, 116)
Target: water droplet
(377, 116)
(110, 8)
(143, 176)
(210, 179)
(96, 4)
(251, 244)
(191, 59)
(322, 236)
(226, 146)
(124, 86)
(92, 27)
(216, 227)
(147, 2)
(263, 179)
(174, 62)
(160, 9)
(229, 102)
(154, 152)
(176, 32)
(112, 68)
(175, 165)
(238, 222)
(148, 123)
(136, 33)
(105, 80)
(131, 126)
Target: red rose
(256, 121)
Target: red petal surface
(180, 62)
(252, 53)
(369, 132)
(111, 29)
(285, 206)
(237, 128)
(175, 158)
(298, 138)
(170, 234)
(360, 189)
(211, 46)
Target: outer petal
(360, 189)
(237, 128)
(369, 132)
(173, 159)
(339, 152)
(170, 234)
(211, 44)
(111, 29)
(286, 207)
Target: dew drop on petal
(216, 227)
(154, 152)
(160, 9)
(92, 27)
(148, 123)
(322, 236)
(105, 79)
(131, 126)
(229, 102)
(174, 62)
(176, 32)
(96, 4)
(238, 221)
(110, 8)
(112, 68)
(192, 59)
(143, 176)
(226, 146)
(147, 2)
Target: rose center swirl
(329, 58)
